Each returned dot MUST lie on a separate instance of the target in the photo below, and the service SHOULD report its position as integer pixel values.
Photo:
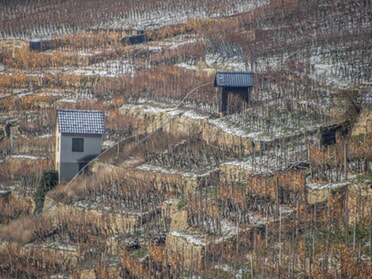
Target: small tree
(48, 180)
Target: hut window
(77, 145)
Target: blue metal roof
(87, 122)
(233, 79)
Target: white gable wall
(67, 161)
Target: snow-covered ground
(330, 185)
(192, 239)
(142, 19)
(109, 68)
(159, 169)
(179, 14)
(325, 72)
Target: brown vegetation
(255, 222)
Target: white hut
(78, 140)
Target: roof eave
(81, 134)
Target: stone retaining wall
(107, 222)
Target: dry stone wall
(363, 124)
(106, 222)
(173, 181)
(187, 248)
(359, 202)
(199, 126)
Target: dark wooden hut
(42, 45)
(233, 90)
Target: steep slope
(181, 191)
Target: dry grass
(26, 228)
(21, 230)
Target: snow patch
(108, 144)
(59, 246)
(186, 66)
(325, 72)
(110, 68)
(318, 186)
(172, 201)
(189, 238)
(194, 115)
(30, 157)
